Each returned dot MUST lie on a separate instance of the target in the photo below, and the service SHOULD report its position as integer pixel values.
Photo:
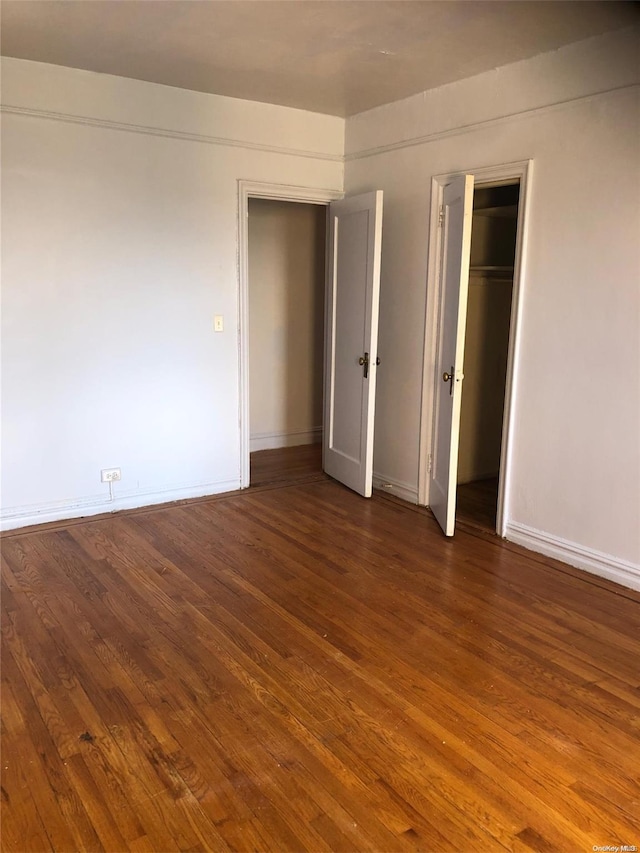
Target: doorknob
(364, 360)
(448, 377)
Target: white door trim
(521, 171)
(276, 192)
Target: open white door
(353, 288)
(454, 287)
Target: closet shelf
(507, 211)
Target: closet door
(454, 287)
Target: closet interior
(493, 246)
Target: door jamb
(493, 175)
(274, 192)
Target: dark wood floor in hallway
(300, 669)
(476, 504)
(287, 465)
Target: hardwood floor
(287, 465)
(476, 504)
(300, 669)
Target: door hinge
(441, 216)
(429, 463)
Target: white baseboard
(292, 438)
(596, 562)
(405, 491)
(13, 518)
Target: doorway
(286, 266)
(248, 191)
(486, 349)
(353, 244)
(449, 274)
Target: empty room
(320, 426)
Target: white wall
(286, 318)
(119, 240)
(576, 460)
(119, 217)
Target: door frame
(272, 192)
(507, 173)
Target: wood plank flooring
(300, 669)
(287, 465)
(476, 504)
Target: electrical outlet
(110, 475)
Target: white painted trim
(596, 562)
(513, 354)
(522, 172)
(485, 123)
(128, 127)
(279, 192)
(425, 451)
(395, 487)
(291, 438)
(16, 517)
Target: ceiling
(332, 56)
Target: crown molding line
(487, 123)
(90, 121)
